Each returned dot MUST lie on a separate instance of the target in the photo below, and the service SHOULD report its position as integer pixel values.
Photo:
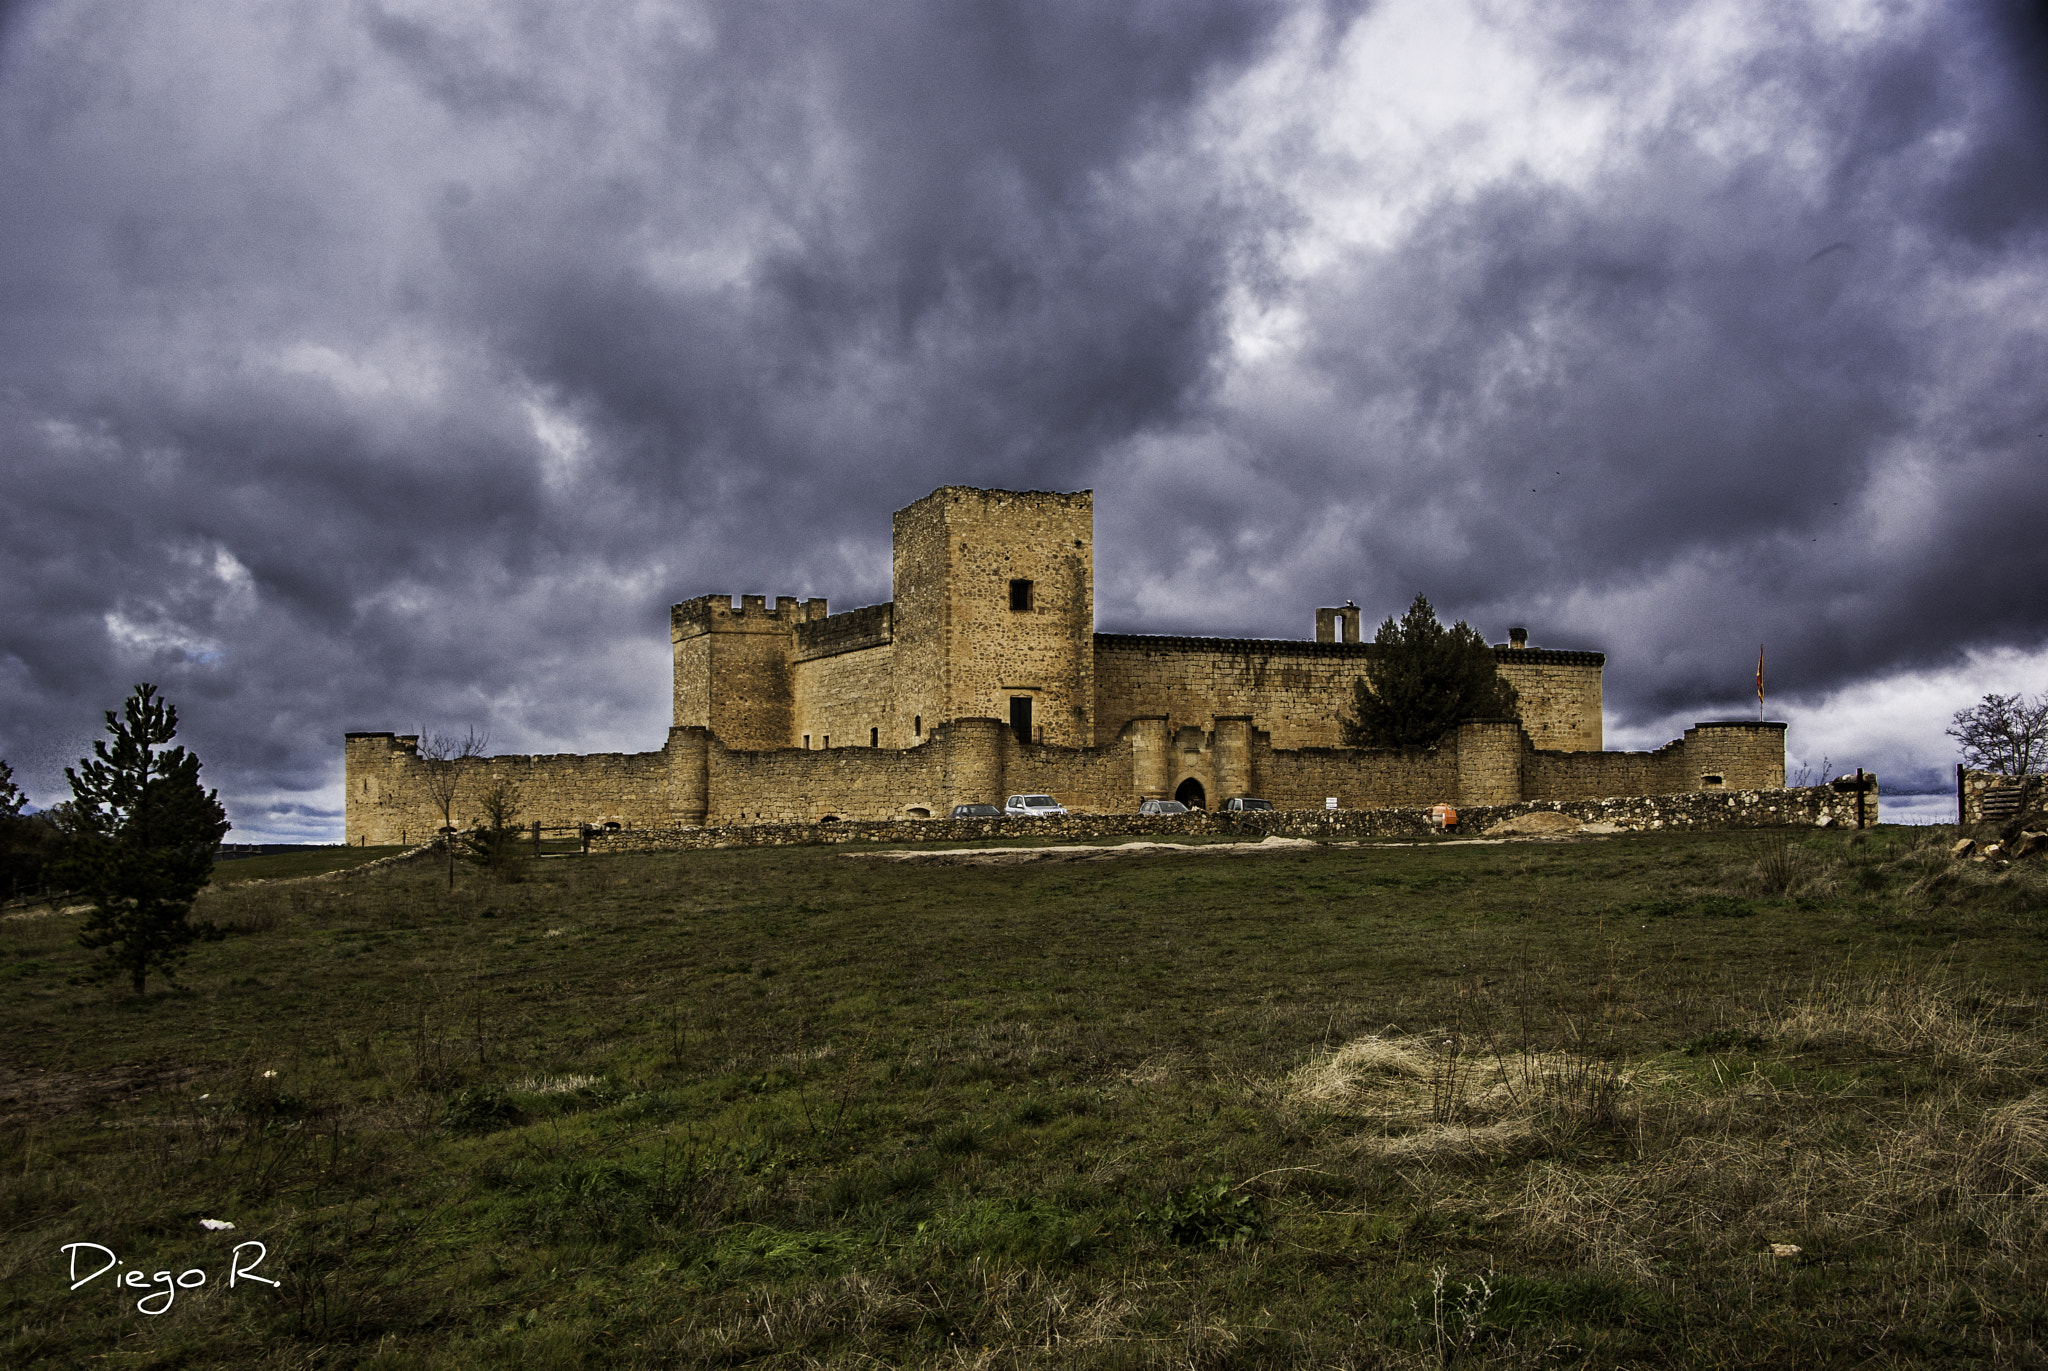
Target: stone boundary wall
(1811, 806)
(1997, 793)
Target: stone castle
(985, 677)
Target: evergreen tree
(27, 841)
(1423, 682)
(142, 835)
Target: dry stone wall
(1993, 797)
(1815, 806)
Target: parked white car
(1033, 807)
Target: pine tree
(141, 843)
(1423, 682)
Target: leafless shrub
(1774, 865)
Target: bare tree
(2006, 733)
(442, 777)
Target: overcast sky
(377, 365)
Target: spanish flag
(1759, 680)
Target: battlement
(715, 614)
(848, 631)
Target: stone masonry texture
(787, 714)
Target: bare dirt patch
(29, 1096)
(1023, 856)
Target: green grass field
(1425, 1105)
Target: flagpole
(1759, 682)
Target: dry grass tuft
(1438, 1098)
(1898, 1012)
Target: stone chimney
(1518, 637)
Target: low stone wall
(1992, 797)
(1809, 807)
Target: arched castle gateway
(985, 677)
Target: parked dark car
(1243, 803)
(976, 812)
(1162, 807)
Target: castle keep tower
(995, 611)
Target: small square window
(1020, 596)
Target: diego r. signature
(190, 1279)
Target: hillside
(1378, 1105)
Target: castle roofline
(1302, 647)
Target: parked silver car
(1034, 807)
(1243, 803)
(1162, 807)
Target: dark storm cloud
(368, 366)
(1702, 396)
(376, 365)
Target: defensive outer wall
(985, 677)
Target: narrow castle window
(1020, 717)
(917, 725)
(828, 740)
(1020, 596)
(874, 737)
(807, 742)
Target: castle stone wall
(1559, 694)
(1356, 777)
(1100, 780)
(1734, 756)
(696, 778)
(388, 801)
(1295, 690)
(1298, 690)
(1594, 775)
(847, 698)
(790, 785)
